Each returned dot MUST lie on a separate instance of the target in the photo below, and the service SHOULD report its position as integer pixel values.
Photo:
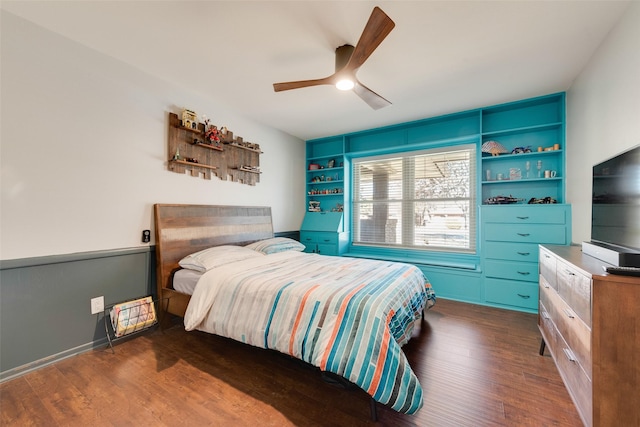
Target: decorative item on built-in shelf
(502, 200)
(189, 119)
(314, 206)
(314, 166)
(494, 148)
(545, 201)
(521, 150)
(339, 208)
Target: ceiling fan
(349, 59)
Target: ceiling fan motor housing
(343, 54)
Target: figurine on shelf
(177, 155)
(212, 134)
(189, 119)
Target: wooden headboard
(185, 229)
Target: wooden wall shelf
(223, 161)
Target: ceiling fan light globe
(345, 84)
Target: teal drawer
(526, 233)
(511, 251)
(306, 237)
(506, 292)
(327, 238)
(527, 271)
(525, 214)
(327, 249)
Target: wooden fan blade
(377, 29)
(279, 87)
(374, 100)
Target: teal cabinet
(323, 233)
(510, 238)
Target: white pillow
(276, 244)
(216, 256)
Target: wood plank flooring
(478, 366)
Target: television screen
(616, 201)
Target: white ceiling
(442, 56)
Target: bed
(346, 316)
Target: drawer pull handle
(570, 273)
(522, 217)
(524, 273)
(524, 253)
(547, 256)
(524, 296)
(546, 286)
(327, 240)
(523, 234)
(569, 313)
(569, 354)
(545, 315)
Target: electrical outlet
(146, 236)
(97, 305)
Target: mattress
(185, 280)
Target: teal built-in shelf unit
(503, 270)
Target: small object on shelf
(248, 168)
(502, 200)
(527, 167)
(314, 166)
(338, 208)
(314, 206)
(488, 175)
(331, 163)
(539, 167)
(177, 155)
(191, 160)
(521, 150)
(514, 173)
(544, 201)
(189, 119)
(493, 147)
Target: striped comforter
(344, 315)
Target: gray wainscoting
(45, 312)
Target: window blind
(419, 200)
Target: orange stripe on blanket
(336, 326)
(298, 316)
(384, 348)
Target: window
(416, 200)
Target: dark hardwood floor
(478, 366)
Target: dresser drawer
(511, 251)
(574, 331)
(511, 270)
(526, 233)
(548, 268)
(547, 328)
(525, 214)
(575, 379)
(518, 294)
(575, 288)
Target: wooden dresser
(590, 323)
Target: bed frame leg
(374, 410)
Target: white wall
(603, 113)
(84, 149)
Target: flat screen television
(615, 220)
